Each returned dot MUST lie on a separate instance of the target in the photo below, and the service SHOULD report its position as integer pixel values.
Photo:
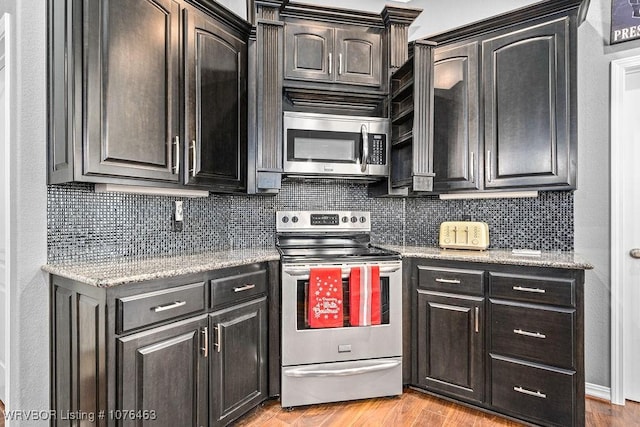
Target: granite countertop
(119, 271)
(553, 259)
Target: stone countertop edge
(123, 270)
(550, 259)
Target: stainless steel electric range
(357, 352)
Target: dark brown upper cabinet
(527, 107)
(123, 75)
(456, 118)
(505, 103)
(320, 52)
(115, 101)
(215, 103)
(337, 61)
(309, 52)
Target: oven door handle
(311, 372)
(303, 273)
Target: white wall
(3, 198)
(29, 347)
(239, 7)
(592, 219)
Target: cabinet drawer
(538, 334)
(231, 289)
(451, 280)
(152, 307)
(544, 395)
(544, 290)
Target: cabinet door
(308, 52)
(450, 344)
(238, 370)
(131, 88)
(215, 104)
(456, 118)
(359, 56)
(526, 96)
(164, 371)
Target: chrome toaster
(464, 235)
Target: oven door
(302, 344)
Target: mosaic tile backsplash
(88, 226)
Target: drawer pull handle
(530, 393)
(450, 281)
(529, 334)
(525, 289)
(171, 306)
(243, 288)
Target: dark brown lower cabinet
(504, 338)
(162, 375)
(450, 344)
(238, 358)
(183, 351)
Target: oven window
(302, 303)
(338, 147)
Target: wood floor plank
(429, 418)
(417, 409)
(406, 412)
(376, 412)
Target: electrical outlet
(178, 216)
(179, 213)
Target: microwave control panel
(377, 150)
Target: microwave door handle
(365, 148)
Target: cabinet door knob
(635, 253)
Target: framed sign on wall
(625, 20)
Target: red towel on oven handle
(325, 298)
(364, 296)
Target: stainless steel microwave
(333, 145)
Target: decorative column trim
(397, 21)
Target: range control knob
(475, 241)
(363, 219)
(354, 219)
(294, 219)
(285, 219)
(345, 219)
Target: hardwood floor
(415, 409)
